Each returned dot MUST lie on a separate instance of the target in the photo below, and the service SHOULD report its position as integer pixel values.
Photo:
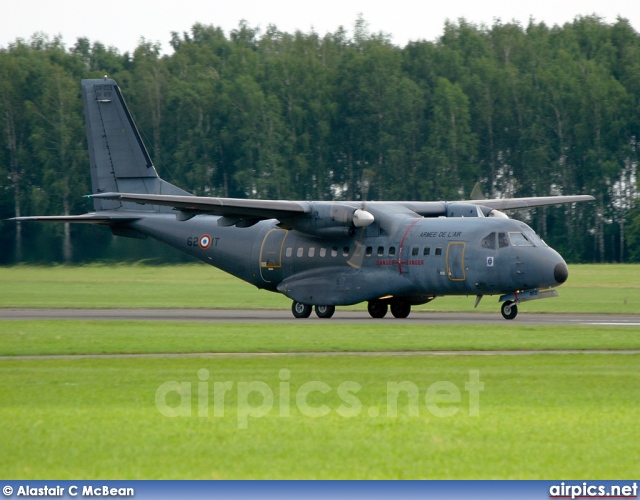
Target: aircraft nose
(560, 273)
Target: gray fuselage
(422, 258)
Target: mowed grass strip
(540, 416)
(130, 286)
(606, 289)
(108, 337)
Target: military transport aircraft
(322, 254)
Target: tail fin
(118, 158)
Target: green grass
(130, 286)
(609, 289)
(540, 416)
(97, 337)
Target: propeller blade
(361, 219)
(365, 184)
(476, 193)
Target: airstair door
(455, 261)
(271, 255)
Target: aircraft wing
(230, 207)
(535, 201)
(439, 208)
(279, 209)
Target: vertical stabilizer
(118, 158)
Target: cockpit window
(489, 241)
(502, 240)
(519, 240)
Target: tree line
(518, 110)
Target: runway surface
(283, 316)
(322, 354)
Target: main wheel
(377, 309)
(325, 311)
(300, 310)
(509, 310)
(400, 309)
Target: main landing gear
(509, 309)
(377, 309)
(325, 311)
(301, 310)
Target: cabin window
(289, 252)
(334, 252)
(323, 252)
(300, 252)
(489, 241)
(414, 251)
(502, 240)
(519, 240)
(438, 250)
(312, 251)
(380, 251)
(427, 251)
(392, 251)
(369, 251)
(345, 251)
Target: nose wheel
(509, 309)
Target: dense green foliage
(524, 111)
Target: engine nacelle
(472, 210)
(498, 214)
(331, 220)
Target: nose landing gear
(510, 301)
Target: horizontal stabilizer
(91, 218)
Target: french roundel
(204, 241)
